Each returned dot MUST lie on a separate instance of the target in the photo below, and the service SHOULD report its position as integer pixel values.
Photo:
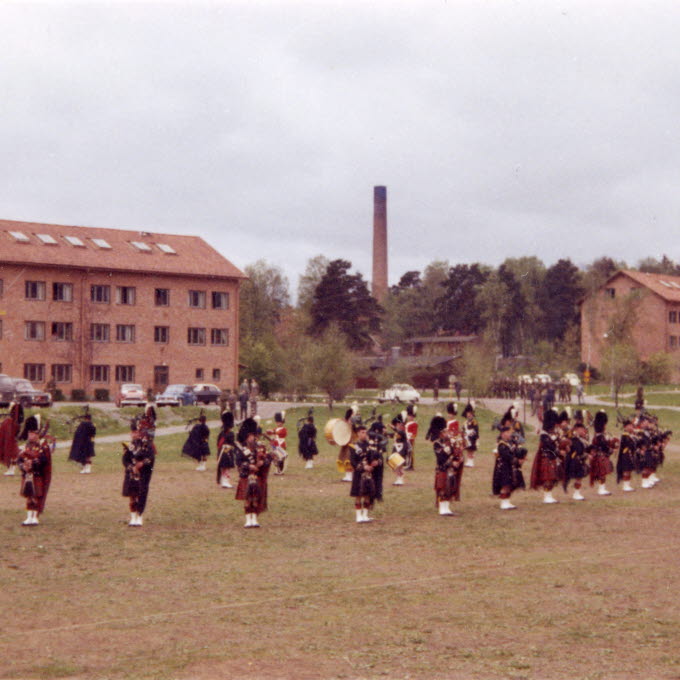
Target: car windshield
(131, 388)
(24, 385)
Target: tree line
(522, 307)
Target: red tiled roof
(664, 285)
(192, 255)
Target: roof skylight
(74, 241)
(101, 243)
(19, 236)
(47, 239)
(169, 250)
(140, 245)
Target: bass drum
(338, 432)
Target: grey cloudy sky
(504, 128)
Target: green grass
(573, 590)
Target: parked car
(206, 393)
(6, 390)
(572, 379)
(176, 395)
(399, 392)
(525, 379)
(542, 378)
(130, 394)
(27, 395)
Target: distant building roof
(664, 285)
(96, 248)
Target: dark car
(207, 393)
(176, 395)
(27, 395)
(6, 390)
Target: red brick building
(654, 302)
(93, 308)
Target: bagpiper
(307, 447)
(411, 428)
(547, 470)
(627, 460)
(197, 445)
(226, 446)
(253, 462)
(400, 449)
(448, 453)
(471, 434)
(35, 463)
(82, 446)
(576, 459)
(601, 449)
(139, 457)
(367, 478)
(507, 471)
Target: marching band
(565, 456)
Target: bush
(101, 394)
(58, 395)
(78, 395)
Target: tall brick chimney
(379, 278)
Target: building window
(125, 333)
(162, 297)
(674, 341)
(125, 373)
(220, 300)
(610, 292)
(62, 330)
(161, 375)
(199, 374)
(161, 334)
(216, 374)
(34, 372)
(34, 330)
(35, 290)
(219, 336)
(197, 299)
(196, 336)
(100, 294)
(1, 288)
(61, 373)
(673, 317)
(100, 332)
(99, 373)
(125, 295)
(62, 292)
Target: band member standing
(576, 460)
(367, 479)
(353, 419)
(448, 452)
(547, 468)
(197, 445)
(401, 447)
(507, 472)
(147, 423)
(601, 449)
(626, 463)
(307, 441)
(82, 447)
(411, 428)
(35, 463)
(471, 434)
(278, 435)
(9, 430)
(452, 424)
(225, 451)
(139, 456)
(253, 462)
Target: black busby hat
(280, 417)
(600, 421)
(564, 416)
(227, 419)
(397, 419)
(469, 408)
(31, 424)
(349, 413)
(452, 408)
(411, 410)
(578, 416)
(550, 419)
(437, 424)
(248, 427)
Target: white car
(400, 392)
(572, 379)
(542, 378)
(525, 379)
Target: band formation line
(566, 455)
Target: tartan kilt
(600, 466)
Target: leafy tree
(344, 298)
(314, 272)
(559, 299)
(663, 266)
(598, 271)
(530, 274)
(329, 365)
(478, 368)
(264, 361)
(458, 307)
(264, 295)
(657, 369)
(620, 364)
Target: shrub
(78, 395)
(101, 394)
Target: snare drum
(396, 460)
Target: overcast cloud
(499, 128)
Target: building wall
(144, 353)
(652, 329)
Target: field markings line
(353, 589)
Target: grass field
(575, 590)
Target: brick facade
(655, 305)
(93, 317)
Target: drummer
(400, 449)
(352, 418)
